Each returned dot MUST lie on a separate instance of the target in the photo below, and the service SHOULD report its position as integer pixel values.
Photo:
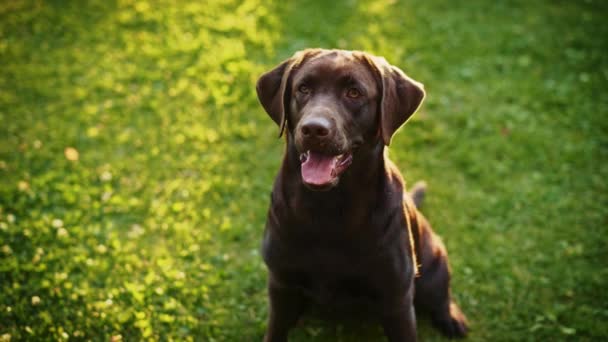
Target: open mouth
(321, 170)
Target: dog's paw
(452, 324)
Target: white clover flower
(57, 223)
(62, 232)
(105, 176)
(136, 231)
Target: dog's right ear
(273, 87)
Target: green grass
(153, 233)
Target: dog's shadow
(353, 329)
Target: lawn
(136, 162)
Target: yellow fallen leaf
(71, 154)
(23, 185)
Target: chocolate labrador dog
(341, 229)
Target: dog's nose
(316, 127)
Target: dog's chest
(338, 292)
(335, 288)
(341, 277)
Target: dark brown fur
(360, 240)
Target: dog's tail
(418, 192)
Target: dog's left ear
(401, 97)
(273, 87)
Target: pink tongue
(317, 168)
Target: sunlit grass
(136, 163)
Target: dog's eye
(304, 89)
(353, 93)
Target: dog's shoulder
(394, 179)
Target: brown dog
(341, 229)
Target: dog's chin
(322, 187)
(321, 171)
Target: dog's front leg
(399, 323)
(286, 306)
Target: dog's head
(334, 102)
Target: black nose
(317, 127)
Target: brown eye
(304, 89)
(353, 93)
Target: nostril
(321, 131)
(306, 130)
